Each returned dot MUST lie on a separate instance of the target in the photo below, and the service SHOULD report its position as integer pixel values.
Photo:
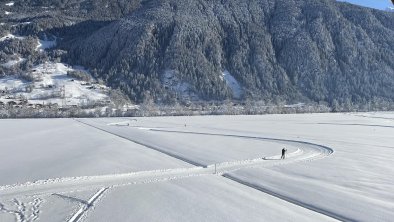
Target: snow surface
(12, 62)
(45, 44)
(233, 84)
(297, 105)
(60, 206)
(11, 82)
(204, 168)
(10, 4)
(181, 88)
(205, 198)
(41, 149)
(56, 207)
(22, 23)
(11, 36)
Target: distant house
(53, 105)
(22, 102)
(63, 109)
(38, 106)
(12, 103)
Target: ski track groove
(321, 148)
(288, 199)
(308, 152)
(87, 206)
(145, 145)
(356, 124)
(375, 117)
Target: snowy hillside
(50, 88)
(51, 85)
(208, 56)
(210, 168)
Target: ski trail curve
(319, 151)
(307, 152)
(310, 151)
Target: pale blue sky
(379, 4)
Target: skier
(283, 153)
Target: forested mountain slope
(292, 50)
(277, 51)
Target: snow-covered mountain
(196, 51)
(281, 50)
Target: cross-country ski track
(306, 151)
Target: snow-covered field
(207, 168)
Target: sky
(379, 4)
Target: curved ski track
(307, 152)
